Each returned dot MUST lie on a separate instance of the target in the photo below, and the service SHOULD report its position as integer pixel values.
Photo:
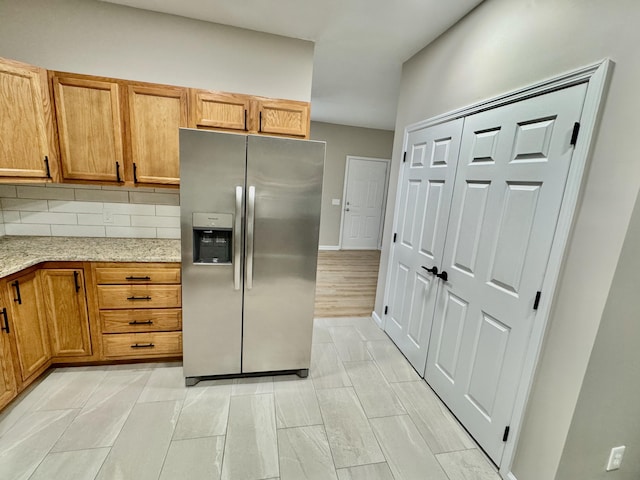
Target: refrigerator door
(284, 188)
(212, 175)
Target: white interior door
(422, 213)
(364, 196)
(514, 162)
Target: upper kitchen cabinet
(219, 110)
(89, 128)
(283, 117)
(244, 113)
(154, 115)
(28, 150)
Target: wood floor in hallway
(346, 283)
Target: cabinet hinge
(536, 302)
(404, 157)
(395, 236)
(574, 135)
(386, 309)
(505, 435)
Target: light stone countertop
(18, 253)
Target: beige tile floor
(363, 414)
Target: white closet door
(422, 212)
(510, 180)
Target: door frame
(384, 194)
(597, 76)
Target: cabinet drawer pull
(146, 322)
(75, 281)
(18, 298)
(139, 298)
(138, 278)
(144, 345)
(6, 321)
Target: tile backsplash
(89, 211)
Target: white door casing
(363, 203)
(513, 166)
(423, 212)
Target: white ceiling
(360, 45)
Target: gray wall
(342, 141)
(503, 45)
(608, 409)
(97, 38)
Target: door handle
(237, 232)
(433, 270)
(443, 275)
(6, 321)
(251, 218)
(18, 298)
(346, 209)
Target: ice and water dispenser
(212, 238)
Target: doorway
(364, 201)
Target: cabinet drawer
(142, 344)
(139, 296)
(125, 321)
(137, 275)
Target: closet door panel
(423, 213)
(513, 166)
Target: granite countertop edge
(18, 252)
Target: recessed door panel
(432, 213)
(450, 338)
(400, 293)
(486, 366)
(470, 223)
(513, 236)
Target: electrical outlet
(615, 458)
(107, 216)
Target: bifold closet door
(513, 166)
(422, 212)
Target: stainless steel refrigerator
(250, 215)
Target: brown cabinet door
(283, 117)
(66, 311)
(89, 128)
(219, 110)
(27, 323)
(155, 113)
(8, 389)
(26, 125)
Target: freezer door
(284, 188)
(212, 175)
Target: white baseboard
(328, 247)
(511, 476)
(376, 319)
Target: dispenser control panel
(212, 238)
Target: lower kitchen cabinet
(65, 302)
(27, 323)
(139, 306)
(98, 312)
(8, 387)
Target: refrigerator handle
(237, 235)
(251, 216)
